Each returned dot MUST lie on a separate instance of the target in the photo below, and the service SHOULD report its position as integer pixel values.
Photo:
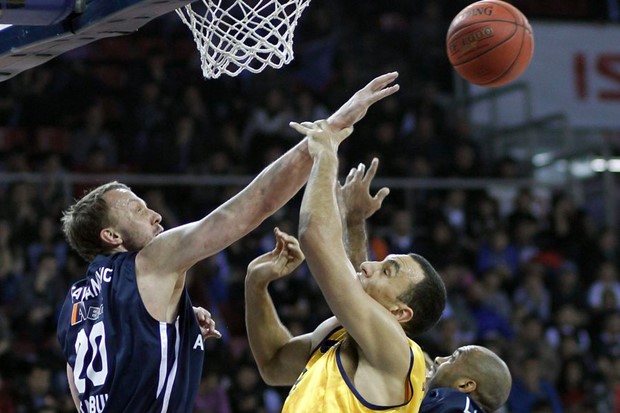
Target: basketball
(490, 43)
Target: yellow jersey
(323, 386)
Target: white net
(233, 35)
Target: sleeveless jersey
(323, 386)
(123, 360)
(448, 400)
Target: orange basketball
(490, 43)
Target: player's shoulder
(448, 400)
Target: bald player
(472, 380)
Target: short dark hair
(427, 299)
(82, 221)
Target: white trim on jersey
(468, 405)
(173, 371)
(163, 364)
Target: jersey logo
(199, 343)
(82, 312)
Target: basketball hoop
(233, 35)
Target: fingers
(210, 330)
(279, 240)
(201, 314)
(321, 127)
(350, 176)
(386, 92)
(210, 333)
(344, 133)
(206, 323)
(287, 240)
(305, 128)
(372, 170)
(281, 235)
(383, 192)
(302, 129)
(382, 81)
(380, 89)
(358, 173)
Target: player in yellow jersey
(360, 360)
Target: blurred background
(511, 193)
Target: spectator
(573, 385)
(212, 394)
(531, 339)
(531, 296)
(567, 287)
(10, 266)
(606, 285)
(489, 321)
(498, 253)
(606, 341)
(569, 324)
(530, 389)
(49, 241)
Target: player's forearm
(356, 242)
(281, 180)
(319, 214)
(266, 333)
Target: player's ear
(466, 385)
(403, 313)
(110, 237)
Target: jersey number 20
(96, 341)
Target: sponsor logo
(477, 11)
(83, 312)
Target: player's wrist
(256, 282)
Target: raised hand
(321, 135)
(278, 263)
(355, 108)
(356, 202)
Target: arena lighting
(602, 165)
(542, 159)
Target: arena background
(510, 192)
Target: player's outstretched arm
(320, 235)
(182, 247)
(280, 357)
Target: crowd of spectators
(529, 273)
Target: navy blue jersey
(448, 400)
(123, 359)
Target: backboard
(33, 32)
